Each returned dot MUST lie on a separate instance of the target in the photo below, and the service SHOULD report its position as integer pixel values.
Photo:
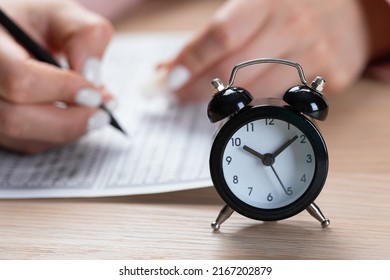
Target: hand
(31, 118)
(334, 39)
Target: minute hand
(284, 146)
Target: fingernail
(112, 104)
(92, 71)
(88, 97)
(157, 85)
(177, 77)
(98, 120)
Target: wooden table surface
(356, 197)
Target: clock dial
(268, 163)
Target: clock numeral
(229, 159)
(235, 179)
(309, 158)
(288, 126)
(269, 121)
(250, 190)
(236, 142)
(303, 178)
(270, 197)
(289, 191)
(250, 127)
(303, 139)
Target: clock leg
(223, 215)
(317, 214)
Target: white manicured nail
(92, 71)
(156, 85)
(112, 104)
(98, 120)
(88, 97)
(178, 76)
(158, 88)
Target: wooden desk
(176, 225)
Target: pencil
(41, 54)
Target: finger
(273, 83)
(201, 91)
(81, 34)
(48, 123)
(25, 80)
(28, 147)
(228, 32)
(37, 82)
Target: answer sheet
(168, 146)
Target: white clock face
(268, 163)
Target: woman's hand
(42, 106)
(329, 39)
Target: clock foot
(317, 214)
(223, 215)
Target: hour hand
(253, 152)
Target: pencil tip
(113, 121)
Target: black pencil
(41, 54)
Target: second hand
(280, 181)
(268, 159)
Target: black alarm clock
(269, 160)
